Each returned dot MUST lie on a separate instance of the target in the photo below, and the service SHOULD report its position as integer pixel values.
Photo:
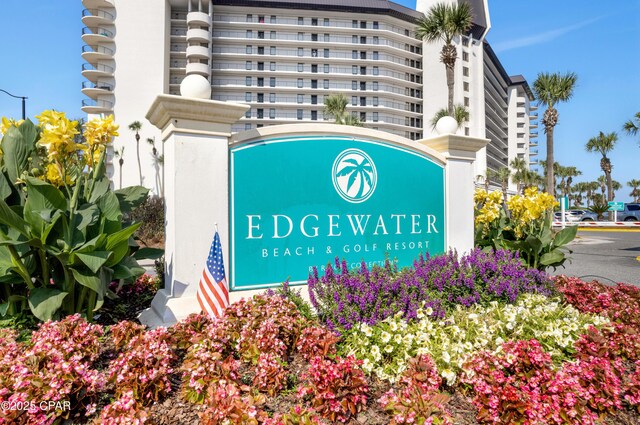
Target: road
(608, 256)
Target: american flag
(213, 295)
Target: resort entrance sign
(298, 202)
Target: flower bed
(536, 359)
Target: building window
(376, 56)
(363, 70)
(249, 18)
(363, 101)
(314, 99)
(466, 131)
(260, 97)
(354, 100)
(300, 98)
(363, 117)
(363, 40)
(273, 19)
(314, 84)
(466, 101)
(465, 71)
(300, 36)
(248, 113)
(376, 40)
(247, 97)
(272, 35)
(465, 56)
(363, 55)
(314, 115)
(260, 82)
(354, 85)
(272, 66)
(272, 113)
(354, 24)
(354, 54)
(375, 117)
(260, 113)
(300, 51)
(299, 114)
(465, 41)
(363, 25)
(249, 50)
(300, 83)
(326, 53)
(260, 66)
(354, 39)
(466, 86)
(314, 68)
(326, 68)
(325, 84)
(249, 34)
(376, 25)
(247, 81)
(375, 86)
(248, 65)
(272, 98)
(363, 85)
(261, 35)
(300, 67)
(326, 22)
(375, 100)
(272, 82)
(272, 50)
(354, 69)
(314, 22)
(314, 37)
(300, 21)
(247, 126)
(261, 50)
(326, 38)
(376, 70)
(406, 32)
(314, 53)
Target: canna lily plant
(62, 236)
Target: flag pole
(216, 226)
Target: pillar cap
(453, 145)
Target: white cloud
(543, 37)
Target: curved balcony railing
(97, 49)
(98, 85)
(97, 67)
(97, 31)
(104, 104)
(98, 13)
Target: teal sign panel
(300, 202)
(615, 206)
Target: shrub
(317, 341)
(143, 368)
(191, 330)
(203, 368)
(72, 336)
(151, 214)
(417, 399)
(123, 332)
(345, 298)
(337, 389)
(124, 411)
(271, 376)
(227, 406)
(294, 296)
(297, 415)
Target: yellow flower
(58, 134)
(52, 175)
(8, 122)
(100, 131)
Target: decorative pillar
(460, 152)
(195, 133)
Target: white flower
(446, 357)
(397, 338)
(385, 337)
(393, 326)
(450, 376)
(388, 348)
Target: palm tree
(336, 106)
(566, 175)
(502, 175)
(460, 114)
(604, 143)
(590, 188)
(519, 176)
(635, 189)
(632, 127)
(578, 189)
(602, 183)
(136, 126)
(616, 186)
(120, 155)
(355, 170)
(157, 163)
(444, 22)
(551, 89)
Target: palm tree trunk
(120, 176)
(609, 185)
(139, 164)
(550, 177)
(448, 57)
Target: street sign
(616, 206)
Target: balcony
(533, 152)
(198, 35)
(533, 124)
(95, 53)
(96, 17)
(199, 68)
(533, 143)
(198, 19)
(90, 106)
(533, 116)
(93, 90)
(93, 72)
(533, 134)
(96, 35)
(533, 108)
(197, 52)
(97, 4)
(533, 162)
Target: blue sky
(598, 40)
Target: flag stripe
(204, 306)
(213, 308)
(213, 295)
(213, 289)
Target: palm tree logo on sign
(354, 176)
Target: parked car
(631, 213)
(583, 215)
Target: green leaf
(553, 258)
(110, 207)
(17, 145)
(532, 244)
(89, 215)
(131, 197)
(565, 235)
(45, 302)
(11, 219)
(100, 187)
(148, 253)
(96, 243)
(90, 280)
(3, 309)
(43, 195)
(5, 187)
(122, 235)
(93, 260)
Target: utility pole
(24, 98)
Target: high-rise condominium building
(284, 57)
